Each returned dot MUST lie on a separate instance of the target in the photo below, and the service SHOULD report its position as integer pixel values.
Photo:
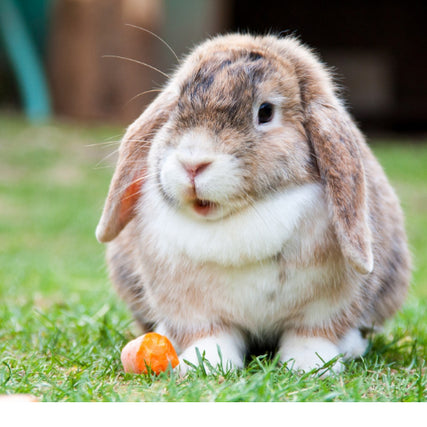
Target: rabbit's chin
(207, 210)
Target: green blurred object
(36, 14)
(20, 41)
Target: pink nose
(195, 169)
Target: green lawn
(62, 327)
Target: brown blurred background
(377, 49)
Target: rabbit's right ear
(131, 167)
(338, 146)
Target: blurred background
(59, 58)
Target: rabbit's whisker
(137, 62)
(141, 94)
(157, 37)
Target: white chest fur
(255, 234)
(229, 268)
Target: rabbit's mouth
(204, 207)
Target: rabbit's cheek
(220, 182)
(175, 181)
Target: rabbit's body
(258, 215)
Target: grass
(62, 327)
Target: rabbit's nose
(194, 168)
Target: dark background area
(377, 51)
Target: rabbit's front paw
(221, 351)
(301, 353)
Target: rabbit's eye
(265, 113)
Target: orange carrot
(150, 350)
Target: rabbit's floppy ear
(131, 167)
(337, 145)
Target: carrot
(152, 350)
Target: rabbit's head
(243, 118)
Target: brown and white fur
(230, 230)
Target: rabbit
(247, 213)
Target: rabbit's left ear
(131, 169)
(337, 145)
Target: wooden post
(85, 83)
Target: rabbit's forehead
(228, 76)
(224, 87)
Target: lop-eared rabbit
(247, 211)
